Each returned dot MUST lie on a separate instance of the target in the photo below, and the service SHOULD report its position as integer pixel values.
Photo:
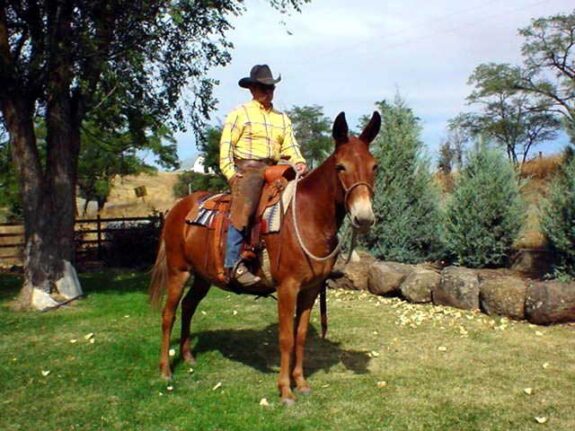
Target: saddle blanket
(272, 214)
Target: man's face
(263, 93)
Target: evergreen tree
(558, 220)
(485, 212)
(405, 201)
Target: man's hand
(301, 168)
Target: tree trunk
(48, 197)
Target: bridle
(348, 191)
(337, 248)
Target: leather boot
(243, 276)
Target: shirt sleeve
(290, 147)
(230, 136)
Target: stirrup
(243, 276)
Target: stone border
(494, 292)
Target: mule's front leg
(287, 295)
(305, 303)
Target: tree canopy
(126, 65)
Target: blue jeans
(234, 242)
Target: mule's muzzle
(362, 216)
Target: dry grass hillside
(123, 201)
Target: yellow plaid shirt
(252, 132)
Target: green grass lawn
(385, 365)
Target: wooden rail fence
(91, 236)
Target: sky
(347, 55)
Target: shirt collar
(261, 106)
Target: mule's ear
(372, 128)
(340, 130)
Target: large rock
(459, 287)
(384, 278)
(503, 296)
(418, 285)
(550, 302)
(354, 275)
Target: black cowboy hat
(260, 74)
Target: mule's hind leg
(197, 292)
(175, 288)
(305, 303)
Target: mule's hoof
(305, 390)
(189, 359)
(288, 402)
(166, 377)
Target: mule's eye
(374, 168)
(339, 167)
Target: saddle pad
(273, 214)
(206, 211)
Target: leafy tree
(9, 192)
(549, 63)
(485, 212)
(405, 200)
(120, 62)
(312, 131)
(189, 182)
(558, 218)
(209, 146)
(515, 120)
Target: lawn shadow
(258, 348)
(114, 282)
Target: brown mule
(342, 184)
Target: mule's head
(355, 168)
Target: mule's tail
(159, 277)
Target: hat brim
(247, 82)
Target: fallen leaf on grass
(89, 336)
(191, 370)
(545, 365)
(264, 402)
(73, 341)
(528, 391)
(442, 349)
(235, 312)
(218, 386)
(170, 388)
(538, 333)
(45, 373)
(373, 354)
(172, 352)
(381, 384)
(541, 419)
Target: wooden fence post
(99, 233)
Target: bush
(558, 219)
(405, 201)
(194, 181)
(485, 212)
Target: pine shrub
(405, 202)
(558, 219)
(485, 212)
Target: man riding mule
(255, 136)
(304, 251)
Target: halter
(350, 189)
